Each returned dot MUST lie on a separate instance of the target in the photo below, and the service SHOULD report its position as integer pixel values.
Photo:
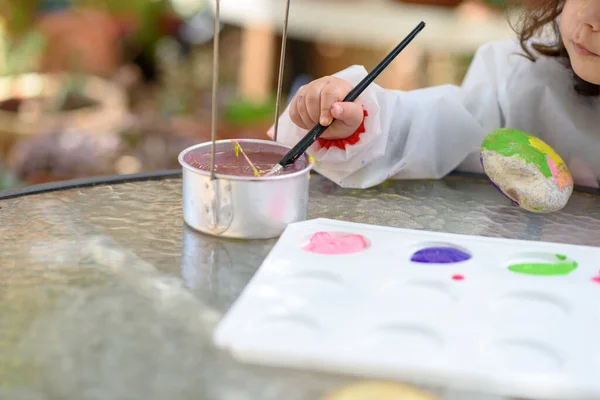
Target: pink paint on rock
(561, 175)
(552, 166)
(335, 244)
(596, 279)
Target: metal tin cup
(243, 207)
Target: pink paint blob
(561, 174)
(458, 277)
(552, 166)
(596, 279)
(335, 243)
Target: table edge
(167, 174)
(88, 182)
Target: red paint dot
(460, 277)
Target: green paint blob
(545, 269)
(514, 143)
(561, 257)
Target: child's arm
(420, 134)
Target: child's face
(580, 31)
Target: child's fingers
(312, 103)
(348, 117)
(350, 114)
(331, 94)
(301, 105)
(294, 112)
(313, 100)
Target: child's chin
(588, 74)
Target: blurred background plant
(154, 58)
(94, 87)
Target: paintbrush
(318, 130)
(238, 149)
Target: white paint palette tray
(512, 318)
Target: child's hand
(320, 101)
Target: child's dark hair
(534, 18)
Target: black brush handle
(318, 130)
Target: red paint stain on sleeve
(349, 141)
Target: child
(547, 89)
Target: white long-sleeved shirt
(428, 133)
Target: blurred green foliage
(241, 112)
(21, 14)
(8, 180)
(21, 56)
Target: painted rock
(526, 170)
(378, 391)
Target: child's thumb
(350, 114)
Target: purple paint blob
(440, 255)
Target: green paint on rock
(514, 143)
(562, 267)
